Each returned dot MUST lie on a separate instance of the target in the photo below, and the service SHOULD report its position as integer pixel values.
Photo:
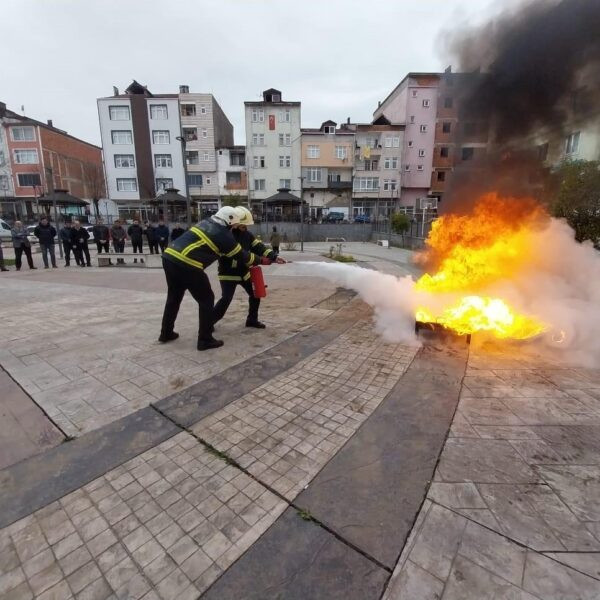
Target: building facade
(273, 146)
(327, 163)
(232, 175)
(154, 142)
(38, 158)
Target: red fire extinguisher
(258, 282)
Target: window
(467, 153)
(258, 139)
(446, 126)
(372, 142)
(259, 162)
(412, 118)
(366, 184)
(285, 161)
(124, 161)
(237, 160)
(410, 143)
(26, 157)
(191, 157)
(285, 139)
(28, 179)
(208, 181)
(421, 153)
(23, 134)
(341, 152)
(313, 152)
(159, 111)
(259, 185)
(448, 102)
(285, 116)
(203, 109)
(233, 178)
(426, 103)
(258, 115)
(423, 128)
(419, 167)
(204, 132)
(371, 165)
(127, 185)
(441, 175)
(163, 184)
(314, 174)
(285, 183)
(389, 185)
(121, 137)
(407, 167)
(188, 110)
(414, 93)
(392, 142)
(194, 180)
(190, 134)
(118, 113)
(206, 156)
(3, 182)
(163, 160)
(444, 151)
(161, 136)
(329, 128)
(390, 163)
(572, 143)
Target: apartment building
(36, 158)
(327, 164)
(273, 146)
(231, 174)
(154, 142)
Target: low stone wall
(351, 232)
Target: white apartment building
(273, 146)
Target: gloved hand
(280, 261)
(265, 261)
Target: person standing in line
(2, 266)
(151, 237)
(118, 235)
(136, 235)
(45, 234)
(178, 231)
(21, 244)
(101, 236)
(80, 244)
(275, 240)
(66, 238)
(162, 235)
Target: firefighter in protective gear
(232, 272)
(184, 262)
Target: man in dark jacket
(177, 231)
(2, 266)
(151, 237)
(101, 236)
(233, 273)
(162, 235)
(66, 238)
(184, 262)
(45, 234)
(118, 236)
(136, 233)
(80, 237)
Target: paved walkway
(297, 469)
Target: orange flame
(470, 252)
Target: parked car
(30, 235)
(362, 219)
(5, 233)
(334, 217)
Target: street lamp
(185, 174)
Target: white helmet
(227, 215)
(245, 215)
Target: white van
(5, 234)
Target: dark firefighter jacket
(231, 269)
(204, 243)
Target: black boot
(169, 337)
(256, 324)
(209, 344)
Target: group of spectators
(74, 240)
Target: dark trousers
(80, 251)
(276, 249)
(137, 247)
(153, 247)
(179, 279)
(102, 246)
(67, 250)
(163, 246)
(227, 292)
(48, 249)
(19, 254)
(119, 246)
(1, 257)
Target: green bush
(344, 258)
(400, 223)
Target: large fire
(469, 253)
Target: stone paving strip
(284, 431)
(513, 511)
(86, 365)
(163, 525)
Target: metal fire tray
(436, 327)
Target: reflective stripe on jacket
(230, 269)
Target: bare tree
(94, 182)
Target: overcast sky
(338, 57)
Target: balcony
(339, 185)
